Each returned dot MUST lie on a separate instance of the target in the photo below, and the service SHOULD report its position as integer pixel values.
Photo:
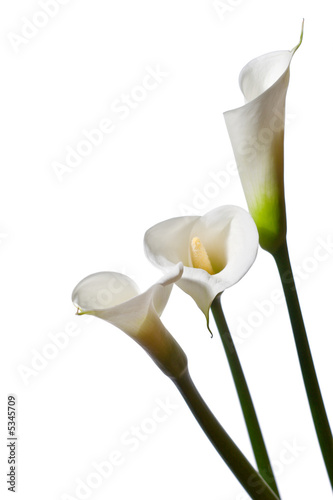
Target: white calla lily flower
(216, 249)
(256, 131)
(115, 298)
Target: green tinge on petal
(269, 215)
(256, 131)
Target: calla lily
(115, 298)
(216, 249)
(256, 132)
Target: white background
(74, 410)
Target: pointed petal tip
(300, 39)
(208, 326)
(80, 312)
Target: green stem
(252, 482)
(244, 396)
(315, 399)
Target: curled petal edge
(139, 317)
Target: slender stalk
(315, 399)
(244, 396)
(252, 482)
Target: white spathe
(230, 238)
(115, 298)
(256, 131)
